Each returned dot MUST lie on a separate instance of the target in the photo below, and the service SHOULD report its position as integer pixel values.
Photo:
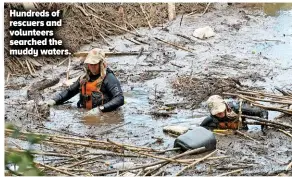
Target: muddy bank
(248, 45)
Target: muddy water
(246, 38)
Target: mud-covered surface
(248, 45)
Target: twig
(231, 172)
(68, 69)
(143, 42)
(237, 131)
(146, 16)
(179, 47)
(239, 114)
(63, 62)
(285, 132)
(132, 41)
(268, 121)
(27, 64)
(56, 169)
(206, 9)
(106, 41)
(196, 162)
(86, 160)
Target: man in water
(99, 87)
(224, 114)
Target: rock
(204, 33)
(123, 165)
(175, 129)
(29, 107)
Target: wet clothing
(110, 95)
(213, 122)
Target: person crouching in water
(224, 115)
(99, 87)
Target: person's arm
(68, 93)
(113, 87)
(209, 123)
(248, 110)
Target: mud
(249, 45)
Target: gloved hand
(48, 102)
(94, 111)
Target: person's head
(217, 106)
(95, 61)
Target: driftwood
(42, 84)
(194, 163)
(148, 165)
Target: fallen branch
(285, 132)
(194, 163)
(237, 131)
(179, 47)
(231, 172)
(55, 169)
(268, 121)
(146, 16)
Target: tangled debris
(196, 89)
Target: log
(44, 83)
(171, 11)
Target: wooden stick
(179, 47)
(171, 11)
(237, 131)
(151, 164)
(68, 69)
(194, 163)
(137, 43)
(55, 169)
(264, 94)
(28, 67)
(146, 16)
(86, 160)
(231, 172)
(62, 62)
(206, 9)
(271, 101)
(239, 115)
(285, 132)
(268, 121)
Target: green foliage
(23, 160)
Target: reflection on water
(274, 9)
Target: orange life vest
(87, 89)
(228, 125)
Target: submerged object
(196, 138)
